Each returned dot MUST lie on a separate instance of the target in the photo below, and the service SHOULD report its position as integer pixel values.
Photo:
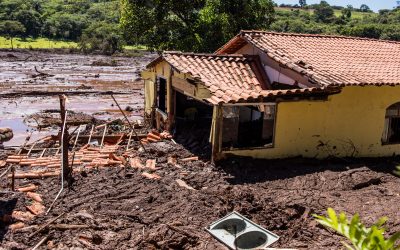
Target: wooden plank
(216, 139)
(183, 85)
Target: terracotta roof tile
(230, 78)
(328, 60)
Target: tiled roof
(230, 78)
(328, 60)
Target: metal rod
(129, 140)
(43, 240)
(13, 178)
(104, 134)
(62, 163)
(5, 172)
(44, 150)
(29, 152)
(130, 125)
(77, 136)
(26, 142)
(91, 132)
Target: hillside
(347, 22)
(203, 26)
(89, 21)
(337, 13)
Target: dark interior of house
(193, 124)
(161, 94)
(246, 127)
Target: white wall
(273, 74)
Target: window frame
(388, 123)
(267, 146)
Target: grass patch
(45, 43)
(37, 43)
(135, 47)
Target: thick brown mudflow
(31, 81)
(119, 208)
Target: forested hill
(188, 25)
(93, 23)
(60, 19)
(206, 25)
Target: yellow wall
(149, 92)
(347, 124)
(163, 69)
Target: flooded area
(30, 82)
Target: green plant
(360, 236)
(397, 171)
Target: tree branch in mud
(41, 74)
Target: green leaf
(392, 240)
(360, 236)
(333, 217)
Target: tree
(101, 37)
(324, 12)
(64, 26)
(199, 25)
(11, 29)
(364, 8)
(302, 3)
(31, 20)
(346, 14)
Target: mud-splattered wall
(347, 124)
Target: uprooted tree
(200, 25)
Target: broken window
(162, 94)
(391, 132)
(248, 126)
(230, 126)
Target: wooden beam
(65, 141)
(216, 138)
(183, 85)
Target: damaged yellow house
(278, 95)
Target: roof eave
(238, 38)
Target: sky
(375, 5)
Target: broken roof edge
(317, 35)
(162, 56)
(271, 95)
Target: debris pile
(6, 134)
(49, 118)
(135, 189)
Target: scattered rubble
(6, 134)
(162, 196)
(49, 118)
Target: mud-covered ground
(120, 209)
(30, 81)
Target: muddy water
(76, 75)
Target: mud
(86, 79)
(123, 210)
(118, 208)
